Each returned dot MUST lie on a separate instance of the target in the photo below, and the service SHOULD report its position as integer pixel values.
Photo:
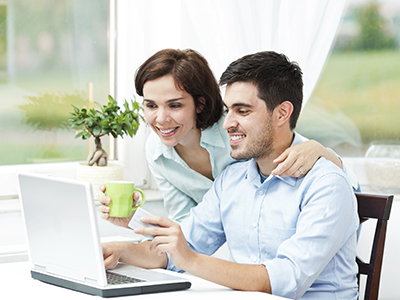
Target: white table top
(16, 283)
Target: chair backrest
(374, 207)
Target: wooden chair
(374, 207)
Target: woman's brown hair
(191, 73)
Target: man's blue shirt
(302, 230)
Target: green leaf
(96, 131)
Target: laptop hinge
(91, 281)
(40, 269)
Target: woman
(188, 148)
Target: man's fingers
(155, 231)
(156, 220)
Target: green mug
(121, 194)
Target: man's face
(248, 122)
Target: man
(287, 236)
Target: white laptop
(64, 242)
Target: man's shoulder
(324, 166)
(326, 169)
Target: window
(52, 54)
(356, 101)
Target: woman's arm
(299, 159)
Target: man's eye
(243, 112)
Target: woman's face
(169, 111)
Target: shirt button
(255, 259)
(261, 192)
(254, 225)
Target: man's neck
(281, 143)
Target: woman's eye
(176, 105)
(149, 105)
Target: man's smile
(236, 138)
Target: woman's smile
(167, 132)
(170, 111)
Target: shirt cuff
(171, 266)
(281, 280)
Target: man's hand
(138, 255)
(168, 238)
(112, 253)
(123, 222)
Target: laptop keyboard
(113, 279)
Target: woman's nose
(162, 116)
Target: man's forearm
(236, 276)
(140, 255)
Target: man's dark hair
(277, 79)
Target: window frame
(8, 173)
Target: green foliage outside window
(373, 29)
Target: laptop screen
(62, 231)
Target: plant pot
(99, 175)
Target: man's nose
(229, 122)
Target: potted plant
(110, 119)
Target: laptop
(64, 242)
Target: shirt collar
(160, 148)
(213, 136)
(254, 176)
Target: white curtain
(222, 31)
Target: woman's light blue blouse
(182, 187)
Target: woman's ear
(200, 106)
(283, 113)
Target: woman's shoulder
(153, 144)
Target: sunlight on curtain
(225, 30)
(222, 31)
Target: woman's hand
(123, 222)
(299, 159)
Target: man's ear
(200, 106)
(283, 112)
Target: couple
(293, 237)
